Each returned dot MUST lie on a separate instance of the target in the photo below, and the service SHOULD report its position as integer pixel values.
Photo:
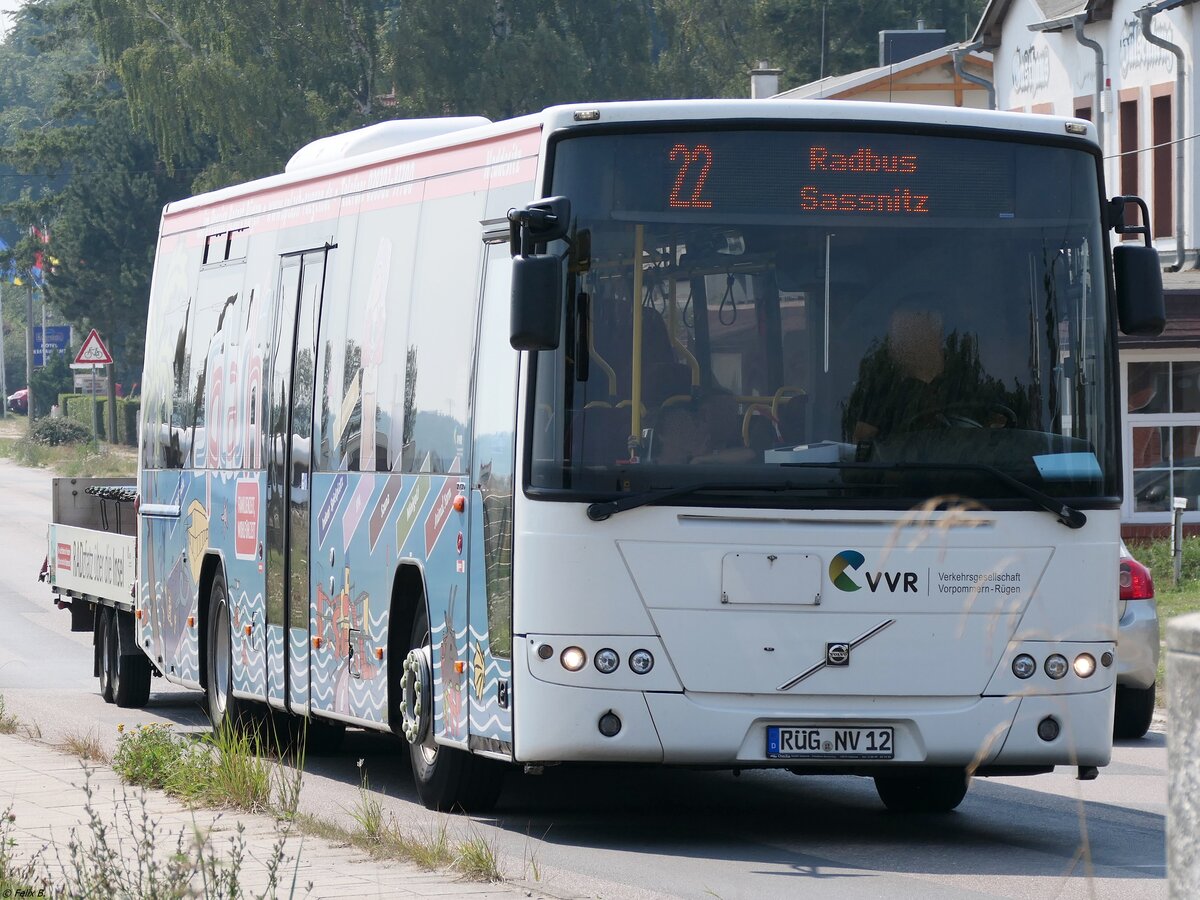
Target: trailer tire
(448, 779)
(225, 711)
(105, 652)
(130, 672)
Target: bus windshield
(810, 318)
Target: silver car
(1137, 649)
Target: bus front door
(292, 387)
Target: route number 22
(698, 160)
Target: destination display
(839, 175)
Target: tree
(256, 79)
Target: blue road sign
(58, 340)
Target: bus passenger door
(491, 514)
(289, 476)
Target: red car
(18, 401)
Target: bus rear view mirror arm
(536, 277)
(1140, 306)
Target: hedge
(78, 408)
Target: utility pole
(3, 383)
(29, 345)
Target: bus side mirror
(536, 305)
(536, 315)
(1140, 306)
(1141, 309)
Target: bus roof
(584, 115)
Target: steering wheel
(950, 416)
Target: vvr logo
(904, 582)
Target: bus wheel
(105, 652)
(929, 791)
(446, 778)
(1134, 712)
(224, 710)
(130, 672)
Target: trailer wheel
(105, 653)
(932, 791)
(446, 778)
(224, 710)
(130, 673)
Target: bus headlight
(641, 661)
(607, 661)
(1024, 666)
(573, 659)
(1056, 666)
(1085, 665)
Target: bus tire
(225, 711)
(923, 791)
(130, 672)
(1134, 712)
(105, 652)
(448, 779)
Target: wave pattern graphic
(249, 654)
(187, 659)
(298, 680)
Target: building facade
(1093, 59)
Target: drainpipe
(1077, 24)
(1145, 14)
(959, 54)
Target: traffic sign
(57, 339)
(93, 352)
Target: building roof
(878, 77)
(1054, 11)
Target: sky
(6, 7)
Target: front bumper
(1138, 644)
(730, 730)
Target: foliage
(148, 755)
(81, 408)
(229, 768)
(111, 108)
(133, 857)
(8, 722)
(49, 381)
(56, 432)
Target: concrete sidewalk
(43, 789)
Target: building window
(1129, 157)
(1160, 137)
(1164, 428)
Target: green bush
(48, 381)
(127, 421)
(79, 409)
(148, 755)
(53, 432)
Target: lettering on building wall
(1030, 70)
(1137, 53)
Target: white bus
(807, 455)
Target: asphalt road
(621, 832)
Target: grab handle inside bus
(1140, 306)
(536, 316)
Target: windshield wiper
(602, 509)
(1068, 515)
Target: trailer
(91, 566)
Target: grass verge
(87, 459)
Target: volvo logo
(837, 654)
